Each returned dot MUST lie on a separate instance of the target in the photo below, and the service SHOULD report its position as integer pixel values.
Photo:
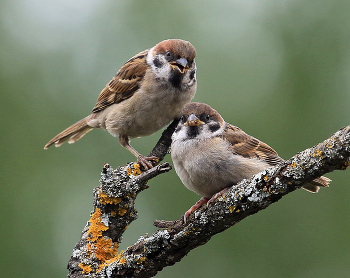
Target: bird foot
(146, 161)
(201, 202)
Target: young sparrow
(147, 93)
(210, 155)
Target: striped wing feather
(248, 146)
(124, 83)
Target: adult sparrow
(210, 155)
(147, 93)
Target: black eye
(204, 117)
(183, 119)
(168, 53)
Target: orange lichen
(345, 165)
(293, 164)
(112, 260)
(96, 226)
(232, 208)
(317, 153)
(100, 267)
(140, 260)
(85, 267)
(265, 178)
(113, 213)
(190, 231)
(108, 262)
(89, 252)
(128, 171)
(105, 249)
(137, 170)
(105, 199)
(330, 144)
(122, 211)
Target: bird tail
(315, 185)
(73, 133)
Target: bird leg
(201, 202)
(141, 159)
(217, 195)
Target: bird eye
(168, 53)
(183, 118)
(204, 117)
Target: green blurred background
(278, 69)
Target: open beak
(180, 65)
(193, 121)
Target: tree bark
(96, 254)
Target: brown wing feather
(248, 146)
(124, 83)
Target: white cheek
(150, 56)
(179, 135)
(160, 72)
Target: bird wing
(124, 84)
(248, 146)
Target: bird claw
(201, 202)
(145, 161)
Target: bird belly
(144, 113)
(213, 169)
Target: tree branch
(163, 145)
(96, 254)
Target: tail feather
(73, 133)
(79, 134)
(314, 186)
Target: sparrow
(147, 92)
(210, 155)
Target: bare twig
(96, 254)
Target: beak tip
(180, 65)
(182, 61)
(193, 121)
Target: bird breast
(208, 166)
(150, 108)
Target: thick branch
(96, 254)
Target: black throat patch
(192, 131)
(175, 79)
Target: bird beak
(193, 121)
(180, 65)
